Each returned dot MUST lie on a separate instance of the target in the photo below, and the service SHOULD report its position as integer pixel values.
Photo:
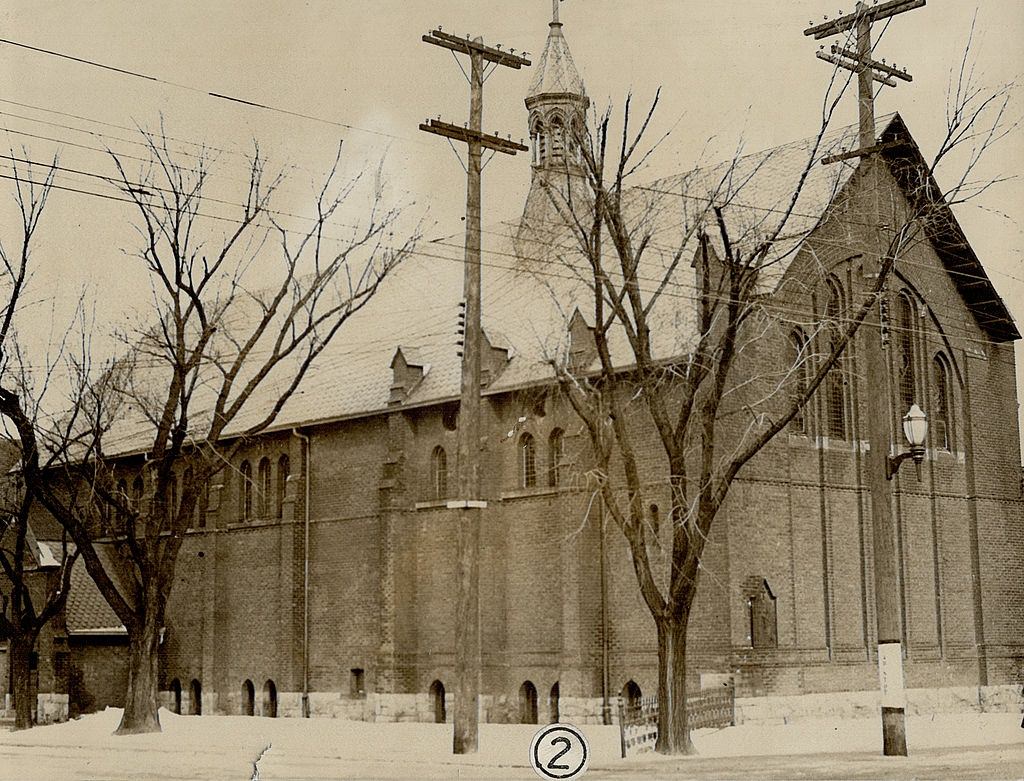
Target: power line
(215, 95)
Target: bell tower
(557, 103)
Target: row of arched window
(909, 378)
(263, 497)
(134, 498)
(528, 710)
(530, 474)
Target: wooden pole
(890, 648)
(467, 611)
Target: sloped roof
(87, 612)
(532, 288)
(556, 72)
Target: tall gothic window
(942, 405)
(265, 487)
(245, 492)
(137, 490)
(764, 632)
(556, 444)
(835, 382)
(527, 461)
(284, 468)
(799, 379)
(905, 369)
(439, 472)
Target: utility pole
(890, 647)
(470, 503)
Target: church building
(323, 568)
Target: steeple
(557, 101)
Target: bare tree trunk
(141, 702)
(673, 728)
(21, 653)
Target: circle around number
(553, 766)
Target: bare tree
(692, 286)
(32, 590)
(242, 306)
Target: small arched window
(556, 454)
(557, 139)
(439, 472)
(172, 498)
(122, 499)
(245, 492)
(527, 461)
(265, 486)
(655, 518)
(942, 405)
(835, 382)
(764, 631)
(137, 491)
(284, 468)
(905, 363)
(799, 371)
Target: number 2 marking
(568, 747)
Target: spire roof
(556, 73)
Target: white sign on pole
(890, 675)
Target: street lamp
(915, 429)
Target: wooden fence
(638, 721)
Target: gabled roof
(947, 237)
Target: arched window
(905, 363)
(437, 702)
(555, 457)
(284, 469)
(799, 370)
(270, 699)
(835, 382)
(248, 698)
(176, 696)
(942, 405)
(631, 694)
(264, 486)
(195, 696)
(137, 491)
(245, 492)
(539, 143)
(439, 472)
(172, 498)
(527, 461)
(527, 703)
(764, 631)
(557, 139)
(123, 500)
(553, 702)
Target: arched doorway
(248, 698)
(176, 696)
(527, 703)
(195, 693)
(437, 702)
(553, 702)
(270, 699)
(631, 694)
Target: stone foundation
(51, 708)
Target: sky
(734, 74)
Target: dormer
(408, 368)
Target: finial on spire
(554, 11)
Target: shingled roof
(530, 291)
(87, 612)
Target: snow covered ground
(971, 745)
